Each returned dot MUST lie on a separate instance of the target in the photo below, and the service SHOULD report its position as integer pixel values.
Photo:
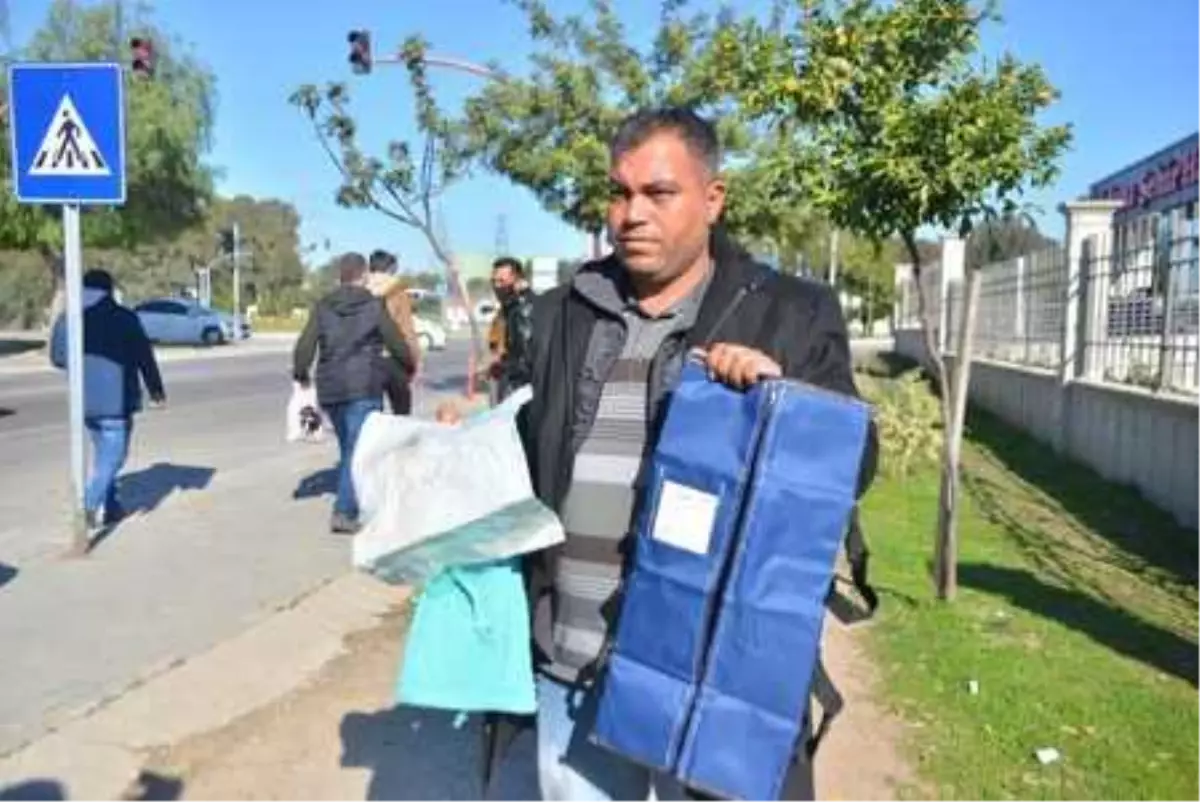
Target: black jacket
(797, 322)
(518, 339)
(117, 358)
(347, 332)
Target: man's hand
(448, 412)
(158, 401)
(739, 366)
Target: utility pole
(237, 280)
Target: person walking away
(346, 334)
(512, 367)
(609, 347)
(117, 359)
(383, 283)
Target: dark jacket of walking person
(117, 359)
(608, 348)
(513, 367)
(347, 333)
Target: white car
(182, 321)
(431, 336)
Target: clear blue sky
(1127, 71)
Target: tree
(549, 130)
(906, 126)
(272, 271)
(402, 187)
(1004, 238)
(168, 130)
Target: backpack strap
(859, 557)
(831, 700)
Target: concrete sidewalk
(100, 755)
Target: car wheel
(426, 342)
(212, 337)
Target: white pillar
(1087, 220)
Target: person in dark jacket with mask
(512, 368)
(347, 333)
(117, 358)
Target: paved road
(230, 523)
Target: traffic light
(225, 237)
(360, 51)
(142, 54)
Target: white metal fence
(1138, 311)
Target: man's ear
(714, 200)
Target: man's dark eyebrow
(652, 186)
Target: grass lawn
(1076, 614)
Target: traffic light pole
(452, 274)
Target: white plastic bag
(432, 496)
(306, 421)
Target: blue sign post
(68, 148)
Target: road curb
(267, 345)
(100, 754)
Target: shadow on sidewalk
(34, 790)
(151, 786)
(7, 573)
(1109, 626)
(143, 492)
(5, 412)
(419, 754)
(321, 483)
(13, 347)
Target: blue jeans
(348, 419)
(571, 767)
(110, 447)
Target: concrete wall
(1126, 434)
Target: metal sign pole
(73, 276)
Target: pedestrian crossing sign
(68, 133)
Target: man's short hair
(382, 261)
(351, 267)
(512, 263)
(97, 279)
(697, 133)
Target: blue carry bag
(746, 506)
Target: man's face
(664, 201)
(503, 281)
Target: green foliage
(169, 124)
(549, 130)
(25, 289)
(903, 125)
(909, 420)
(1004, 238)
(271, 270)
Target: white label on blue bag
(685, 517)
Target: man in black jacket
(513, 369)
(347, 332)
(608, 349)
